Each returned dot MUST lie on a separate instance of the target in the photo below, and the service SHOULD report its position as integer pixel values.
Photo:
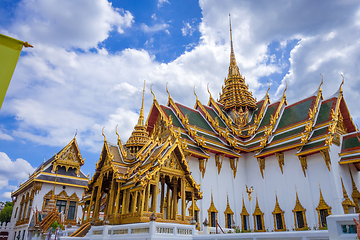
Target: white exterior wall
(38, 202)
(248, 173)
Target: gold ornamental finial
(342, 83)
(232, 54)
(118, 139)
(102, 131)
(195, 95)
(141, 117)
(167, 90)
(75, 133)
(154, 99)
(322, 80)
(209, 90)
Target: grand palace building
(259, 165)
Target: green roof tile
(215, 139)
(269, 112)
(267, 149)
(350, 142)
(288, 134)
(295, 113)
(174, 118)
(258, 108)
(319, 132)
(214, 116)
(325, 110)
(195, 118)
(312, 145)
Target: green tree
(5, 214)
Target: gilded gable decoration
(323, 210)
(68, 157)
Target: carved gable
(173, 163)
(69, 157)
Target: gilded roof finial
(342, 83)
(232, 55)
(141, 117)
(167, 90)
(209, 90)
(322, 80)
(102, 131)
(195, 95)
(152, 93)
(75, 133)
(124, 153)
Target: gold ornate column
(162, 194)
(147, 193)
(142, 201)
(98, 198)
(168, 213)
(154, 195)
(175, 205)
(134, 201)
(117, 200)
(110, 204)
(123, 209)
(127, 201)
(193, 204)
(183, 197)
(91, 202)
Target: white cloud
(6, 195)
(155, 28)
(82, 24)
(5, 136)
(187, 29)
(18, 170)
(161, 2)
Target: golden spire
(139, 136)
(235, 94)
(347, 201)
(141, 117)
(232, 54)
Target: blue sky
(90, 59)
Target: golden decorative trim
(326, 156)
(280, 158)
(202, 166)
(233, 165)
(218, 162)
(303, 164)
(261, 162)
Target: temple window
(212, 213)
(16, 212)
(278, 213)
(258, 218)
(196, 214)
(323, 211)
(228, 214)
(244, 218)
(61, 206)
(71, 211)
(29, 208)
(299, 215)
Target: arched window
(258, 218)
(279, 220)
(212, 213)
(299, 215)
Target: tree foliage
(5, 214)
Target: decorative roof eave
(212, 102)
(217, 150)
(279, 149)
